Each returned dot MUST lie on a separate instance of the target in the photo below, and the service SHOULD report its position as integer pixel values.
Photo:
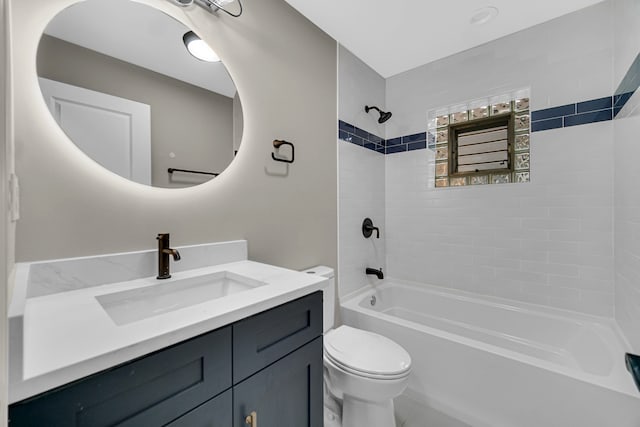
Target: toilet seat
(366, 354)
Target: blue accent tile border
(393, 141)
(415, 137)
(580, 113)
(592, 111)
(595, 105)
(546, 124)
(550, 113)
(353, 134)
(591, 117)
(396, 149)
(420, 145)
(350, 133)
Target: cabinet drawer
(150, 391)
(262, 339)
(214, 413)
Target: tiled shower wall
(627, 172)
(361, 175)
(546, 242)
(549, 241)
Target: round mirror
(123, 82)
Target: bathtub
(491, 362)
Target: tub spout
(378, 273)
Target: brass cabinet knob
(252, 419)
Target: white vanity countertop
(68, 335)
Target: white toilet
(363, 371)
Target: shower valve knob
(368, 228)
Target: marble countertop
(68, 335)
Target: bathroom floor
(410, 413)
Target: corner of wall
(7, 228)
(361, 190)
(626, 24)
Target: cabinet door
(214, 413)
(150, 391)
(285, 394)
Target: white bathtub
(495, 363)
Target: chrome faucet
(378, 273)
(163, 256)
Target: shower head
(384, 116)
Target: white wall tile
(546, 242)
(627, 226)
(362, 195)
(627, 176)
(626, 14)
(549, 241)
(361, 192)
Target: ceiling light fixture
(212, 5)
(484, 15)
(198, 48)
(183, 3)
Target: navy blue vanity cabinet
(151, 391)
(277, 366)
(214, 413)
(270, 363)
(286, 394)
(263, 338)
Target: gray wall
(627, 176)
(193, 123)
(238, 123)
(285, 72)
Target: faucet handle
(368, 228)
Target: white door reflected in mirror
(121, 49)
(113, 131)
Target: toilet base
(358, 413)
(331, 418)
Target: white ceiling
(396, 36)
(141, 35)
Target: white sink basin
(125, 307)
(73, 317)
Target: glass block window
(484, 141)
(481, 146)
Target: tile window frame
(454, 129)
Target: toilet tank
(328, 295)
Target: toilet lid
(366, 352)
